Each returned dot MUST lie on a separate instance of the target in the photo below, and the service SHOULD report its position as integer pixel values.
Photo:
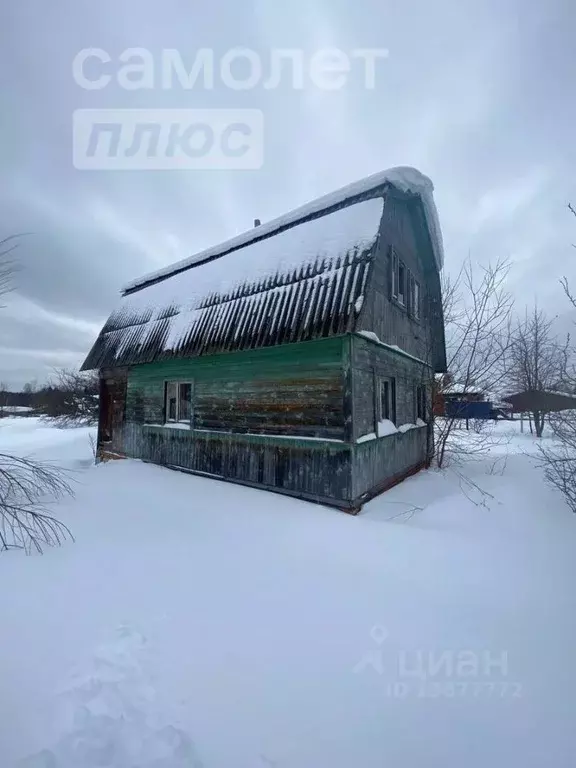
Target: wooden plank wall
(370, 360)
(380, 460)
(380, 314)
(245, 406)
(113, 386)
(309, 404)
(261, 397)
(377, 463)
(320, 471)
(293, 390)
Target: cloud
(503, 203)
(473, 94)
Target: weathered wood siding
(111, 420)
(270, 417)
(399, 230)
(295, 390)
(283, 418)
(369, 361)
(314, 470)
(308, 404)
(379, 461)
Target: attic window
(178, 401)
(399, 275)
(413, 296)
(401, 282)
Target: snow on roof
(303, 283)
(328, 237)
(404, 178)
(462, 389)
(539, 391)
(371, 336)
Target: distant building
(297, 357)
(450, 396)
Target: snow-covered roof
(462, 389)
(305, 282)
(299, 277)
(404, 178)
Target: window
(401, 282)
(421, 402)
(416, 305)
(178, 401)
(387, 399)
(405, 287)
(398, 279)
(413, 296)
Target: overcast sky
(477, 95)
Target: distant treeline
(70, 398)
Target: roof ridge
(404, 178)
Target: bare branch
(559, 456)
(539, 360)
(477, 309)
(27, 487)
(8, 266)
(571, 297)
(70, 399)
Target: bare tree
(477, 310)
(569, 295)
(8, 266)
(538, 360)
(3, 398)
(27, 486)
(559, 457)
(564, 281)
(71, 399)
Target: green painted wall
(296, 389)
(252, 363)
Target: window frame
(405, 288)
(402, 295)
(391, 400)
(418, 297)
(178, 383)
(399, 288)
(414, 296)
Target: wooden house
(297, 357)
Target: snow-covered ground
(11, 409)
(197, 623)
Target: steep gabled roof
(299, 277)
